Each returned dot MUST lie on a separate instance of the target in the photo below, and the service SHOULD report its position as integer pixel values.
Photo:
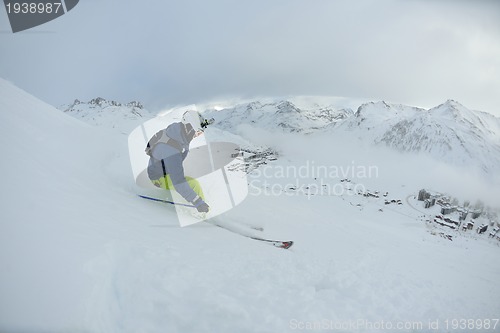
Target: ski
(165, 201)
(276, 243)
(249, 234)
(232, 228)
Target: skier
(167, 150)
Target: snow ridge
(109, 113)
(281, 114)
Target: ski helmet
(195, 119)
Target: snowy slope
(112, 114)
(81, 253)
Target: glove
(201, 205)
(207, 122)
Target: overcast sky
(166, 53)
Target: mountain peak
(135, 104)
(452, 109)
(372, 109)
(286, 106)
(97, 101)
(108, 113)
(451, 104)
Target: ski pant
(166, 183)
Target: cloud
(166, 53)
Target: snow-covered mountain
(450, 132)
(282, 115)
(108, 113)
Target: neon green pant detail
(166, 183)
